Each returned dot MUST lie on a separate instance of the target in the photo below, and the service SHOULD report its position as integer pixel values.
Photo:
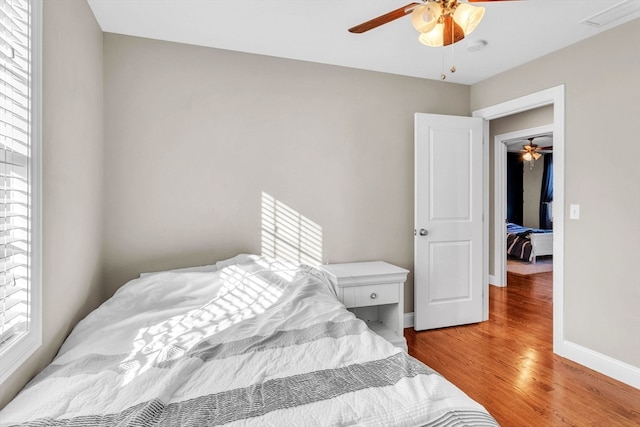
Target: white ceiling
(316, 30)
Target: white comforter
(251, 341)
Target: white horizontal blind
(15, 173)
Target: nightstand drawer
(363, 296)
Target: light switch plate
(574, 211)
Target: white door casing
(554, 96)
(449, 240)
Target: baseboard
(605, 365)
(408, 320)
(493, 281)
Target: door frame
(554, 96)
(500, 143)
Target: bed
(528, 243)
(249, 341)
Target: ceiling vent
(625, 9)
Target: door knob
(424, 232)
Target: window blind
(15, 173)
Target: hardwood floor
(507, 364)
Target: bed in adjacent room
(247, 341)
(528, 243)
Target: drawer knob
(374, 295)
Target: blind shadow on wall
(289, 235)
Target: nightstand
(374, 292)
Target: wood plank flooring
(507, 364)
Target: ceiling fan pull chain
(443, 75)
(453, 57)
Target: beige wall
(602, 249)
(194, 136)
(531, 186)
(72, 139)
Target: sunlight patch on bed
(289, 235)
(282, 268)
(242, 295)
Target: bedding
(521, 241)
(255, 341)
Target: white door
(448, 258)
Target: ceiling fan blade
(452, 32)
(550, 147)
(384, 19)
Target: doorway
(503, 144)
(554, 96)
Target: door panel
(449, 162)
(448, 211)
(450, 281)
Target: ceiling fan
(531, 151)
(439, 22)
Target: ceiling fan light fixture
(536, 155)
(433, 38)
(425, 16)
(432, 23)
(468, 17)
(527, 156)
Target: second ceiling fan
(439, 22)
(531, 152)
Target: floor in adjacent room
(524, 268)
(507, 364)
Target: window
(20, 290)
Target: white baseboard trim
(493, 281)
(601, 363)
(408, 320)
